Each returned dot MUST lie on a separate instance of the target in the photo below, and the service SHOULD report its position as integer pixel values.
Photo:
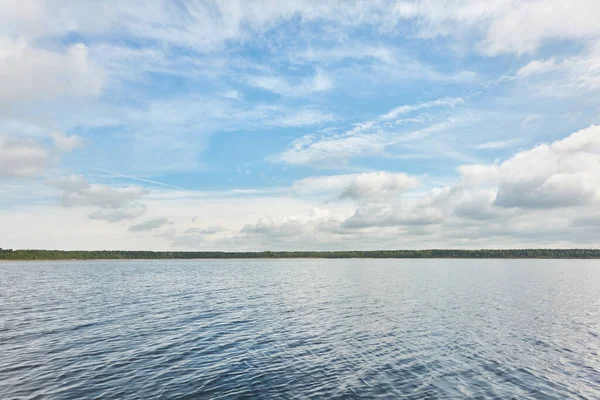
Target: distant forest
(9, 254)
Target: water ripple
(287, 329)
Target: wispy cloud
(305, 117)
(405, 109)
(366, 138)
(357, 51)
(135, 178)
(320, 82)
(528, 120)
(498, 145)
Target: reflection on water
(300, 328)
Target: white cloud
(384, 215)
(149, 225)
(332, 148)
(505, 26)
(166, 136)
(522, 27)
(546, 196)
(320, 82)
(358, 51)
(66, 143)
(29, 73)
(77, 191)
(203, 26)
(23, 18)
(56, 227)
(500, 26)
(569, 75)
(476, 174)
(119, 214)
(211, 230)
(498, 145)
(232, 94)
(537, 67)
(478, 205)
(22, 157)
(357, 186)
(279, 227)
(564, 173)
(538, 196)
(530, 119)
(365, 139)
(305, 117)
(405, 109)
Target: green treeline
(8, 254)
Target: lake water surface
(416, 329)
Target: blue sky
(233, 125)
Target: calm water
(300, 329)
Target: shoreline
(147, 255)
(301, 258)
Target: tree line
(9, 254)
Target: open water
(279, 329)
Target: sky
(299, 125)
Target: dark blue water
(416, 329)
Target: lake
(416, 329)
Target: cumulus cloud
(77, 191)
(357, 186)
(292, 232)
(66, 143)
(469, 213)
(22, 157)
(149, 225)
(382, 216)
(29, 73)
(281, 227)
(25, 157)
(196, 236)
(477, 174)
(546, 195)
(477, 205)
(564, 173)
